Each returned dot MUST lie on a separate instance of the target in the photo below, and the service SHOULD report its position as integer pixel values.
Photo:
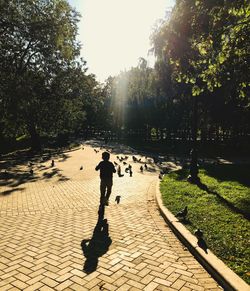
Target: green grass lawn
(222, 213)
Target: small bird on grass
(198, 233)
(52, 163)
(141, 169)
(31, 172)
(145, 166)
(115, 163)
(201, 242)
(183, 213)
(81, 167)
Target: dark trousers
(105, 188)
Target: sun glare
(115, 33)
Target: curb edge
(218, 270)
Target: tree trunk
(34, 137)
(193, 165)
(148, 133)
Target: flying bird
(118, 199)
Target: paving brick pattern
(46, 221)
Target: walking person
(106, 175)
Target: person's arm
(98, 167)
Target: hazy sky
(115, 33)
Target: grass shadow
(243, 211)
(223, 173)
(229, 172)
(181, 174)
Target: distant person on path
(106, 175)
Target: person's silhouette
(106, 175)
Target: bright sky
(115, 33)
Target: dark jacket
(106, 170)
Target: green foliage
(141, 99)
(44, 87)
(225, 230)
(206, 44)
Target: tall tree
(38, 42)
(207, 46)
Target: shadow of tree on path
(8, 192)
(14, 173)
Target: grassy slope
(226, 230)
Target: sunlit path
(51, 236)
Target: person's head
(105, 156)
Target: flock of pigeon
(182, 214)
(128, 167)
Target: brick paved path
(50, 240)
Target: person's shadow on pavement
(98, 245)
